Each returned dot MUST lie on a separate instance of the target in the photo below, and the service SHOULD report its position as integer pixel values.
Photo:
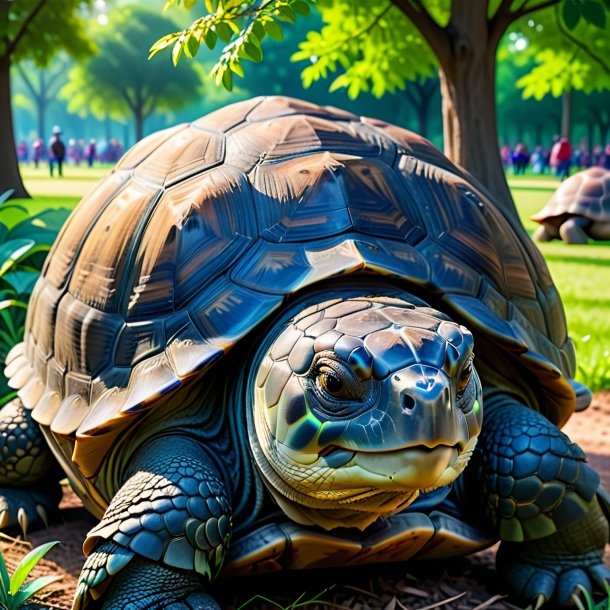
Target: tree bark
(139, 124)
(10, 177)
(468, 96)
(566, 114)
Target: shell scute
(104, 258)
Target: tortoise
(578, 210)
(251, 349)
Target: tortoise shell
(203, 230)
(586, 193)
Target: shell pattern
(203, 230)
(586, 193)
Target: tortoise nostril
(408, 404)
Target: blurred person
(91, 153)
(22, 152)
(38, 151)
(506, 155)
(538, 160)
(604, 159)
(521, 158)
(57, 152)
(561, 156)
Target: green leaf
(594, 13)
(274, 29)
(571, 13)
(236, 66)
(21, 281)
(189, 4)
(191, 47)
(209, 38)
(301, 7)
(26, 565)
(32, 588)
(225, 33)
(252, 52)
(6, 195)
(286, 13)
(209, 4)
(13, 250)
(177, 52)
(227, 80)
(258, 31)
(5, 583)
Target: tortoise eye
(331, 383)
(464, 378)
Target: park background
(84, 67)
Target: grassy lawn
(581, 273)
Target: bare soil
(468, 583)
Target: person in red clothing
(561, 155)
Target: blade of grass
(26, 565)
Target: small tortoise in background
(578, 210)
(251, 348)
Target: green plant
(13, 592)
(591, 605)
(24, 243)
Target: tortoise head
(362, 403)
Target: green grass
(581, 273)
(582, 277)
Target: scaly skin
(29, 488)
(173, 509)
(539, 497)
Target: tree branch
(435, 35)
(581, 45)
(526, 10)
(24, 27)
(27, 81)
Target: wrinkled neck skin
(358, 404)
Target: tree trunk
(138, 116)
(41, 104)
(566, 114)
(469, 110)
(9, 166)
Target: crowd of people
(559, 159)
(75, 152)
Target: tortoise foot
(26, 508)
(139, 584)
(553, 571)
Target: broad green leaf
(237, 68)
(32, 588)
(177, 52)
(5, 583)
(571, 13)
(6, 195)
(26, 565)
(594, 13)
(227, 79)
(209, 38)
(225, 33)
(301, 7)
(286, 13)
(252, 52)
(189, 4)
(21, 281)
(11, 251)
(191, 47)
(274, 29)
(11, 215)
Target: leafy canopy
(371, 45)
(38, 29)
(570, 47)
(119, 81)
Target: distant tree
(377, 44)
(120, 82)
(567, 60)
(33, 30)
(43, 85)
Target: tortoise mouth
(329, 450)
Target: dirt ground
(464, 584)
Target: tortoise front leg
(538, 495)
(164, 535)
(29, 474)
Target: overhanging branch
(24, 27)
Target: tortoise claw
(23, 520)
(42, 513)
(538, 602)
